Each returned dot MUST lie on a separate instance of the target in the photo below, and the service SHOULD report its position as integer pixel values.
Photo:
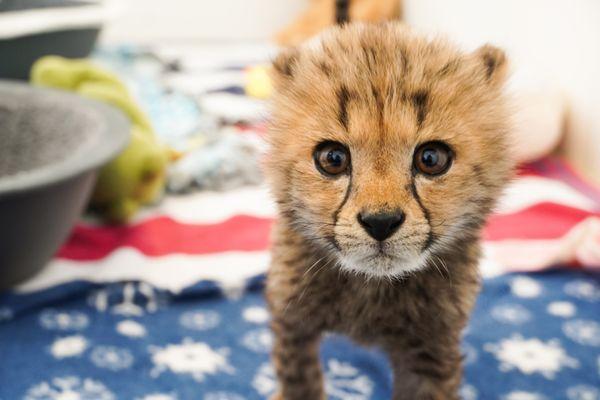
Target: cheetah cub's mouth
(387, 152)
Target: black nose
(381, 225)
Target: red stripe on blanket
(542, 221)
(162, 236)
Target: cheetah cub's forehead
(384, 66)
(388, 149)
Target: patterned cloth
(531, 337)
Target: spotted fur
(381, 90)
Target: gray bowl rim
(116, 130)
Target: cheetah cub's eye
(332, 158)
(433, 158)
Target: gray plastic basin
(52, 144)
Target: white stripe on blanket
(174, 272)
(528, 191)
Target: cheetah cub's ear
(284, 66)
(493, 64)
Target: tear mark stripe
(425, 211)
(336, 213)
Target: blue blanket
(531, 337)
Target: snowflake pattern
(129, 299)
(158, 396)
(69, 388)
(468, 392)
(525, 287)
(194, 358)
(342, 381)
(583, 290)
(469, 354)
(522, 395)
(582, 331)
(583, 392)
(6, 314)
(63, 320)
(199, 320)
(564, 309)
(69, 346)
(112, 358)
(256, 314)
(85, 349)
(531, 356)
(514, 314)
(258, 340)
(222, 396)
(131, 329)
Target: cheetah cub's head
(387, 149)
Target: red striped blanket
(548, 216)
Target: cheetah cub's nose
(381, 226)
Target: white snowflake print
(531, 356)
(129, 300)
(514, 314)
(258, 340)
(469, 353)
(158, 396)
(199, 320)
(232, 290)
(521, 395)
(69, 388)
(131, 329)
(342, 381)
(63, 320)
(69, 346)
(256, 315)
(194, 358)
(6, 314)
(583, 290)
(564, 309)
(583, 331)
(468, 392)
(112, 358)
(583, 392)
(265, 382)
(222, 396)
(525, 287)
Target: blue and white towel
(531, 337)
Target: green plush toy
(137, 176)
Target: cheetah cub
(387, 153)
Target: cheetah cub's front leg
(431, 371)
(296, 323)
(296, 362)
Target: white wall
(550, 42)
(146, 21)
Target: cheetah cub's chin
(388, 151)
